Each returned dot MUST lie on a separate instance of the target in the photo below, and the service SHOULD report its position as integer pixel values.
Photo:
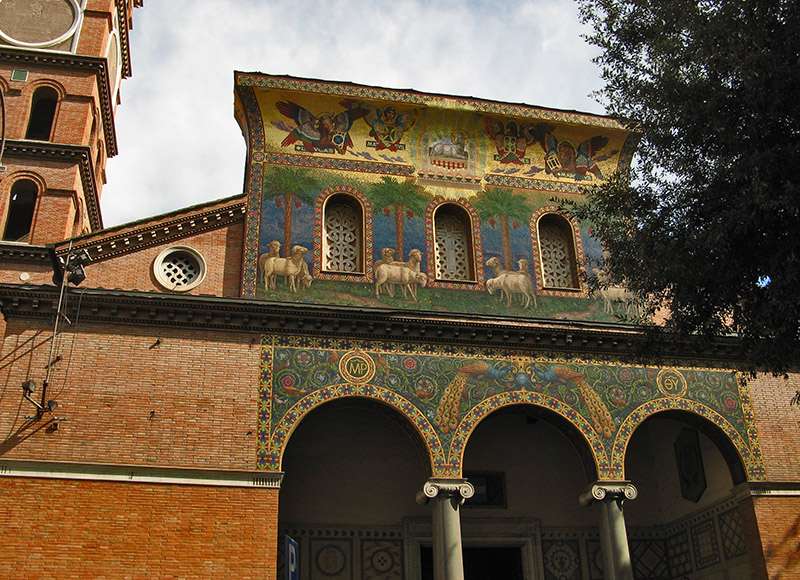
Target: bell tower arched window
(453, 244)
(43, 113)
(343, 235)
(20, 211)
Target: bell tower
(61, 64)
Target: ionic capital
(460, 489)
(608, 491)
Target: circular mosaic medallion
(357, 367)
(671, 383)
(331, 560)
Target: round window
(179, 268)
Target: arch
(453, 245)
(23, 195)
(743, 460)
(41, 119)
(568, 420)
(567, 428)
(100, 162)
(113, 57)
(557, 253)
(345, 211)
(270, 456)
(351, 473)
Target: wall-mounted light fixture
(69, 268)
(28, 388)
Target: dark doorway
(497, 563)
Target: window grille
(453, 246)
(343, 239)
(559, 265)
(179, 269)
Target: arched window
(343, 236)
(43, 112)
(20, 211)
(559, 263)
(453, 244)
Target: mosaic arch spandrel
(356, 369)
(445, 391)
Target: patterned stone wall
(710, 543)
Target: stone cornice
(16, 252)
(139, 473)
(773, 488)
(159, 230)
(124, 34)
(96, 65)
(69, 153)
(566, 338)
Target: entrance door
(481, 563)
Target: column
(446, 495)
(613, 535)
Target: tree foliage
(502, 203)
(707, 224)
(292, 185)
(398, 198)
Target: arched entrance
(686, 520)
(529, 466)
(352, 470)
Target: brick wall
(95, 529)
(779, 528)
(778, 425)
(221, 248)
(134, 395)
(96, 27)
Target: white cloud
(179, 144)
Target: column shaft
(447, 497)
(613, 534)
(448, 563)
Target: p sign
(291, 559)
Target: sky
(179, 144)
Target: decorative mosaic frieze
(444, 391)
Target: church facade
(384, 349)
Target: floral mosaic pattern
(256, 129)
(445, 391)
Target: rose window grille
(342, 239)
(558, 263)
(452, 249)
(179, 269)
